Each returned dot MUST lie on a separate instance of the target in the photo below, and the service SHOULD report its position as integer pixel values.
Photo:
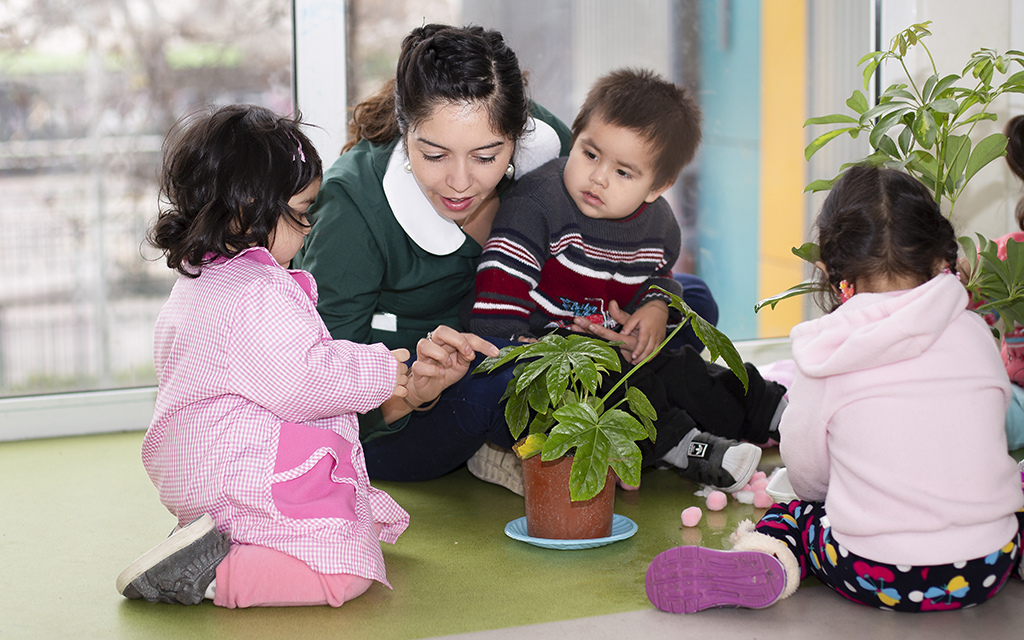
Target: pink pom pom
(717, 500)
(758, 475)
(762, 500)
(759, 485)
(691, 516)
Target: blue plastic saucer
(622, 528)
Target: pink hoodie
(896, 421)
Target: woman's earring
(407, 167)
(510, 171)
(845, 291)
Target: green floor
(75, 511)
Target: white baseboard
(73, 414)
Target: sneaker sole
(491, 464)
(177, 541)
(690, 579)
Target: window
(87, 91)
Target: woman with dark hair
(399, 226)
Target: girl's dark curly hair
(227, 176)
(1014, 133)
(879, 223)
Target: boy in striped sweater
(580, 243)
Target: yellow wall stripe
(782, 166)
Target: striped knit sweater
(546, 263)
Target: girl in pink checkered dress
(254, 444)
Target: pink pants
(254, 576)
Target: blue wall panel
(728, 204)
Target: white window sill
(75, 414)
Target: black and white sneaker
(720, 462)
(180, 568)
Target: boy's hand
(641, 331)
(402, 377)
(648, 324)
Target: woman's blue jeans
(469, 413)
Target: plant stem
(920, 98)
(650, 355)
(935, 70)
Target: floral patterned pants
(804, 528)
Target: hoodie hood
(874, 329)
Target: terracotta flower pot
(549, 511)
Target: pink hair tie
(302, 155)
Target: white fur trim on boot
(745, 538)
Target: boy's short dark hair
(663, 113)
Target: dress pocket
(313, 474)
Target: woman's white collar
(426, 227)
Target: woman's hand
(642, 331)
(442, 359)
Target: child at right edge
(894, 435)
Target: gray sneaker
(180, 568)
(493, 464)
(720, 462)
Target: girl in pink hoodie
(893, 439)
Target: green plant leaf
(869, 70)
(883, 126)
(925, 129)
(588, 374)
(929, 86)
(599, 442)
(835, 118)
(883, 109)
(803, 288)
(990, 148)
(808, 252)
(923, 167)
(857, 101)
(542, 422)
(897, 91)
(820, 185)
(887, 146)
(557, 377)
(906, 140)
(719, 345)
(601, 352)
(956, 153)
(537, 395)
(641, 407)
(983, 115)
(517, 414)
(945, 105)
(1016, 79)
(823, 139)
(530, 446)
(944, 84)
(490, 363)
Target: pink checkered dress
(255, 418)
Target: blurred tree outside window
(88, 88)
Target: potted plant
(555, 398)
(927, 131)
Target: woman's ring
(430, 336)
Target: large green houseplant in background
(927, 130)
(554, 398)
